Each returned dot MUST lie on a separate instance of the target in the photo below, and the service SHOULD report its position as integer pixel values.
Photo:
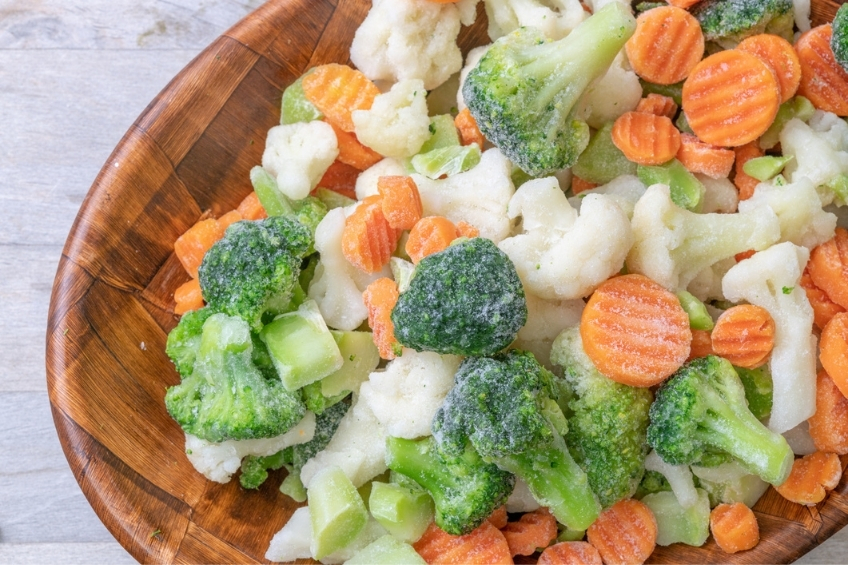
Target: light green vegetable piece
(333, 199)
(446, 161)
(337, 512)
(729, 483)
(293, 487)
(404, 512)
(295, 107)
(797, 107)
(386, 551)
(758, 390)
(686, 190)
(764, 168)
(673, 91)
(699, 318)
(602, 161)
(402, 272)
(443, 134)
(359, 358)
(676, 524)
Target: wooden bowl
(187, 155)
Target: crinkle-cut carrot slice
(570, 553)
(430, 235)
(700, 157)
(626, 532)
(657, 104)
(251, 208)
(194, 243)
(666, 46)
(188, 297)
(635, 331)
(340, 178)
(833, 347)
(464, 229)
(499, 517)
(780, 56)
(401, 201)
(534, 530)
(745, 183)
(352, 152)
(744, 255)
(469, 132)
(731, 98)
(484, 546)
(829, 425)
(828, 267)
(744, 335)
(337, 90)
(702, 345)
(823, 81)
(646, 139)
(368, 240)
(380, 298)
(823, 307)
(734, 527)
(811, 478)
(579, 185)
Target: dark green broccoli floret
(652, 482)
(254, 469)
(254, 268)
(839, 39)
(506, 407)
(702, 407)
(607, 425)
(465, 489)
(226, 396)
(524, 91)
(465, 300)
(184, 340)
(727, 22)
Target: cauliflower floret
(819, 153)
(521, 499)
(801, 10)
(770, 279)
(679, 477)
(674, 245)
(298, 155)
(471, 61)
(555, 18)
(626, 190)
(467, 11)
(405, 397)
(479, 196)
(707, 284)
(720, 195)
(561, 255)
(545, 320)
(397, 124)
(596, 5)
(409, 39)
(218, 461)
(615, 93)
(366, 182)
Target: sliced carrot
(657, 104)
(745, 183)
(811, 478)
(368, 240)
(352, 152)
(484, 546)
(700, 157)
(579, 185)
(229, 218)
(188, 297)
(823, 81)
(734, 527)
(646, 139)
(635, 331)
(780, 56)
(499, 517)
(570, 553)
(468, 131)
(829, 425)
(464, 229)
(833, 346)
(626, 532)
(701, 346)
(744, 335)
(534, 530)
(380, 298)
(430, 235)
(337, 90)
(823, 307)
(723, 112)
(401, 201)
(828, 267)
(666, 45)
(251, 208)
(744, 255)
(340, 178)
(194, 243)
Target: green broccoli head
(254, 469)
(254, 268)
(184, 340)
(524, 91)
(727, 22)
(652, 482)
(226, 396)
(309, 212)
(839, 38)
(702, 408)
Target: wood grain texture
(187, 155)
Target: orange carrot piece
(828, 267)
(340, 178)
(188, 297)
(352, 152)
(823, 307)
(683, 3)
(499, 517)
(484, 546)
(734, 527)
(700, 157)
(744, 335)
(823, 81)
(702, 345)
(194, 243)
(811, 478)
(745, 183)
(251, 208)
(579, 185)
(626, 532)
(829, 425)
(430, 235)
(635, 331)
(401, 201)
(534, 530)
(722, 113)
(833, 346)
(228, 219)
(646, 139)
(380, 298)
(657, 104)
(464, 229)
(368, 240)
(469, 132)
(666, 45)
(570, 553)
(337, 90)
(778, 54)
(744, 255)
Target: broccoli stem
(273, 201)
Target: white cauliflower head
(819, 150)
(545, 320)
(720, 195)
(366, 182)
(679, 477)
(555, 18)
(626, 190)
(397, 124)
(298, 155)
(616, 92)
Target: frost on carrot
(430, 235)
(823, 307)
(499, 517)
(534, 530)
(368, 240)
(666, 45)
(251, 208)
(811, 478)
(380, 297)
(744, 335)
(194, 243)
(745, 183)
(401, 201)
(779, 54)
(829, 425)
(834, 350)
(646, 139)
(188, 297)
(734, 527)
(700, 157)
(337, 90)
(828, 267)
(823, 80)
(626, 532)
(484, 546)
(570, 553)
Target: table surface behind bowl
(74, 74)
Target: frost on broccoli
(839, 38)
(727, 22)
(524, 91)
(554, 18)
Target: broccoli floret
(308, 211)
(226, 396)
(727, 22)
(839, 38)
(254, 268)
(506, 407)
(701, 407)
(184, 340)
(465, 300)
(652, 482)
(465, 489)
(254, 470)
(525, 89)
(607, 428)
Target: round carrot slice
(829, 425)
(744, 335)
(700, 157)
(368, 240)
(731, 98)
(626, 532)
(780, 56)
(811, 477)
(635, 331)
(702, 345)
(745, 183)
(646, 139)
(823, 81)
(734, 527)
(666, 45)
(380, 298)
(337, 90)
(823, 307)
(828, 267)
(570, 553)
(834, 350)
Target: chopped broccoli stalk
(682, 123)
(796, 107)
(525, 89)
(602, 161)
(703, 407)
(404, 512)
(386, 551)
(359, 358)
(727, 22)
(729, 483)
(296, 107)
(465, 489)
(443, 134)
(446, 161)
(699, 318)
(316, 401)
(759, 390)
(569, 534)
(676, 524)
(293, 487)
(184, 340)
(465, 300)
(652, 482)
(254, 469)
(839, 38)
(839, 186)
(764, 168)
(686, 190)
(673, 91)
(402, 272)
(333, 199)
(337, 511)
(308, 211)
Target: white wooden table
(74, 74)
